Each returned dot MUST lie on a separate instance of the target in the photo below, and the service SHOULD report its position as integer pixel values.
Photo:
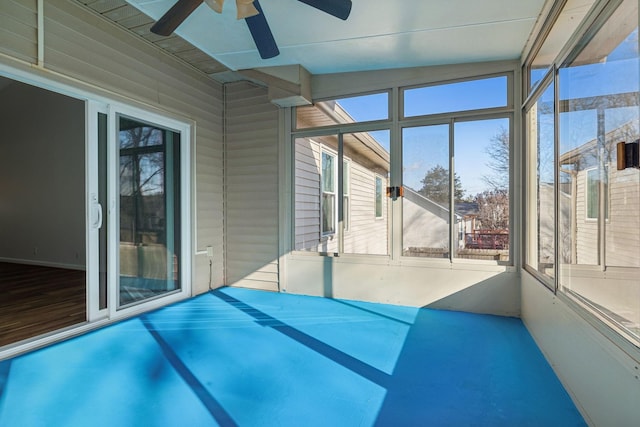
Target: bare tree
(498, 151)
(493, 209)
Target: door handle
(97, 222)
(96, 212)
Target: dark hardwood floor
(35, 300)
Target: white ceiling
(378, 34)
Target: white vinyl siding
(366, 234)
(85, 47)
(307, 197)
(251, 186)
(622, 226)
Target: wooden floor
(35, 300)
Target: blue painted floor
(252, 358)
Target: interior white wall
(42, 197)
(602, 378)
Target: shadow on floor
(241, 357)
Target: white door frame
(95, 104)
(184, 129)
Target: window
(600, 231)
(328, 202)
(320, 223)
(379, 196)
(366, 161)
(481, 204)
(456, 171)
(583, 221)
(594, 187)
(345, 195)
(354, 109)
(541, 184)
(426, 181)
(348, 212)
(451, 97)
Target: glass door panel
(102, 205)
(365, 206)
(149, 206)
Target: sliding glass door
(149, 211)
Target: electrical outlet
(210, 251)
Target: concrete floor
(253, 358)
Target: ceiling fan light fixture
(246, 9)
(216, 5)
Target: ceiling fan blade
(175, 16)
(338, 8)
(261, 34)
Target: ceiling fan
(252, 13)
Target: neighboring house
(365, 171)
(425, 224)
(581, 171)
(426, 230)
(599, 258)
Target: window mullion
(340, 194)
(452, 191)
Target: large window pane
(540, 251)
(481, 205)
(368, 160)
(328, 204)
(451, 97)
(149, 211)
(426, 202)
(363, 222)
(362, 108)
(600, 226)
(314, 208)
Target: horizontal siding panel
(267, 279)
(252, 284)
(24, 12)
(245, 170)
(150, 72)
(251, 186)
(18, 30)
(16, 46)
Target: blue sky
(426, 147)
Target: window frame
(598, 17)
(531, 179)
(589, 197)
(393, 125)
(346, 194)
(379, 197)
(324, 151)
